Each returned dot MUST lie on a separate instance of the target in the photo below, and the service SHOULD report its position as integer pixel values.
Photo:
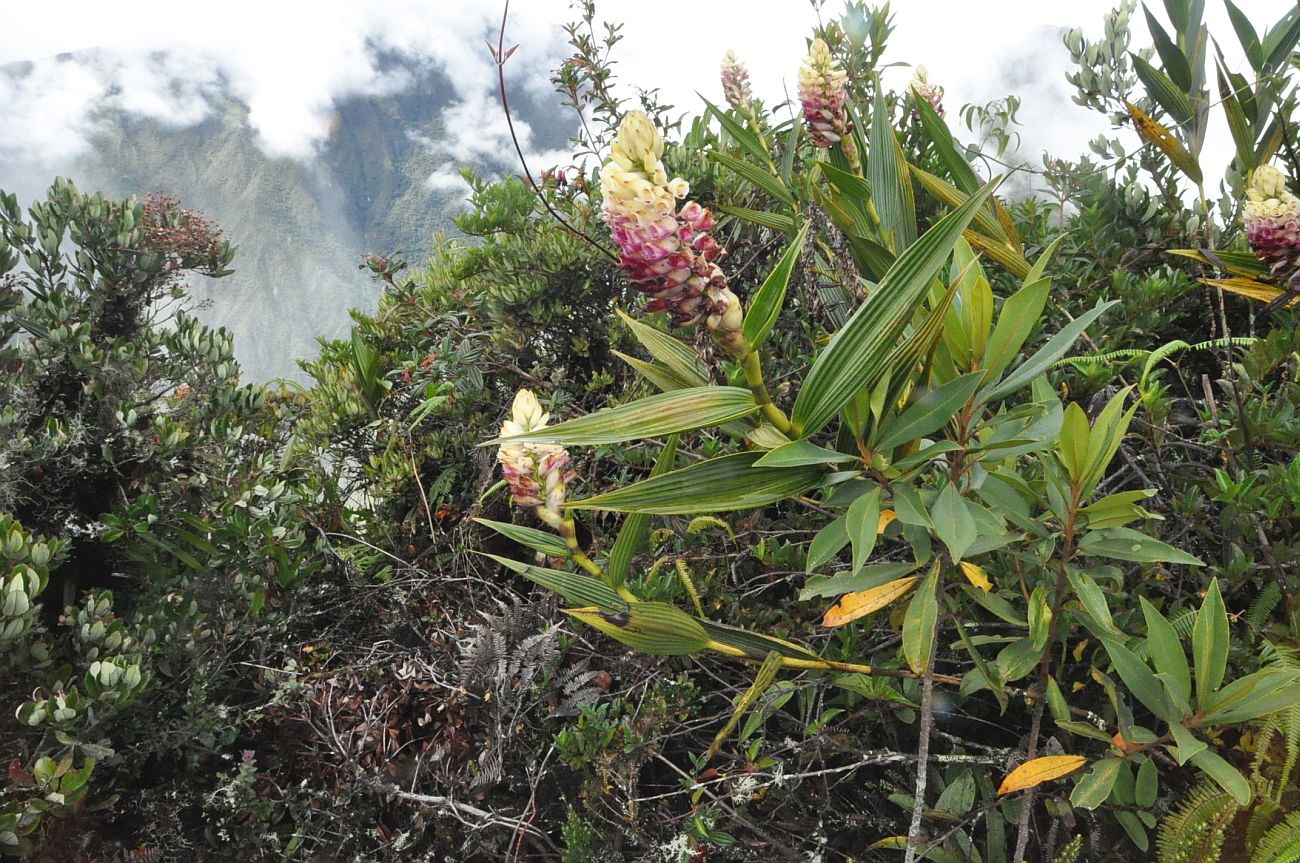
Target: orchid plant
(960, 494)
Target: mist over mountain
(383, 178)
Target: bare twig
(499, 56)
(469, 815)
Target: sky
(289, 61)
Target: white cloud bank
(290, 61)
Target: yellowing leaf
(886, 516)
(976, 575)
(1157, 134)
(1255, 290)
(1034, 773)
(851, 606)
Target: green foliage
(971, 487)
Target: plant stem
(753, 368)
(1040, 688)
(569, 531)
(922, 751)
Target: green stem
(753, 368)
(569, 531)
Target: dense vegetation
(897, 520)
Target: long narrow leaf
(1016, 321)
(857, 353)
(940, 136)
(636, 527)
(887, 171)
(538, 540)
(765, 308)
(1049, 353)
(661, 414)
(729, 482)
(680, 359)
(580, 591)
(755, 175)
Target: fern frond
(702, 523)
(1125, 354)
(1263, 606)
(1194, 832)
(1280, 844)
(1167, 350)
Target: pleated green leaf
(581, 591)
(755, 645)
(636, 527)
(539, 540)
(940, 136)
(662, 414)
(683, 362)
(856, 355)
(758, 176)
(762, 218)
(729, 482)
(765, 308)
(887, 172)
(663, 378)
(1163, 90)
(651, 627)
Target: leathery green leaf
(953, 522)
(1144, 685)
(1210, 645)
(1167, 652)
(862, 519)
(1095, 786)
(1228, 777)
(930, 412)
(920, 622)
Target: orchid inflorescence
(823, 93)
(536, 473)
(666, 251)
(921, 88)
(735, 83)
(1271, 217)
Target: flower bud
(921, 88)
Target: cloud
(291, 61)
